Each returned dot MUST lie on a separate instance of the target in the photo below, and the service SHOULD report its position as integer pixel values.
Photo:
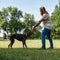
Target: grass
(31, 53)
(30, 43)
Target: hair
(44, 10)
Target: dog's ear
(26, 34)
(29, 33)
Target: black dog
(19, 37)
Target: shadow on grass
(29, 54)
(28, 49)
(2, 39)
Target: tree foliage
(11, 15)
(28, 21)
(56, 20)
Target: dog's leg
(24, 43)
(9, 45)
(12, 43)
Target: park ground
(34, 43)
(31, 53)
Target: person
(47, 24)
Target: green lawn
(31, 53)
(36, 43)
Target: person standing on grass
(47, 24)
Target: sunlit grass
(30, 43)
(31, 53)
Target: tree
(56, 20)
(11, 15)
(29, 22)
(3, 15)
(10, 19)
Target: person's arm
(38, 22)
(33, 28)
(44, 17)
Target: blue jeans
(46, 32)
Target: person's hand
(33, 29)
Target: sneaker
(50, 48)
(42, 48)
